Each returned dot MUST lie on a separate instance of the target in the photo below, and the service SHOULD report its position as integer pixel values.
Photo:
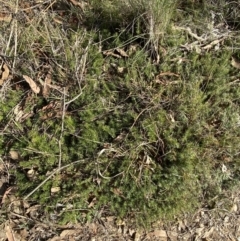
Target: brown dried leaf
(67, 232)
(160, 233)
(32, 84)
(2, 233)
(55, 190)
(9, 233)
(122, 52)
(4, 73)
(34, 211)
(172, 118)
(131, 231)
(17, 207)
(92, 203)
(120, 222)
(31, 174)
(234, 208)
(24, 233)
(137, 236)
(14, 155)
(111, 53)
(26, 116)
(93, 228)
(18, 112)
(199, 231)
(120, 70)
(3, 187)
(181, 225)
(5, 17)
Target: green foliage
(151, 146)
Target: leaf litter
(35, 88)
(205, 225)
(4, 73)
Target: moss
(151, 146)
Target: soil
(25, 221)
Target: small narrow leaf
(32, 84)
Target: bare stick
(215, 42)
(15, 35)
(98, 169)
(189, 31)
(62, 129)
(83, 63)
(76, 97)
(9, 41)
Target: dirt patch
(27, 222)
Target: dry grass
(133, 100)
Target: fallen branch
(213, 43)
(189, 31)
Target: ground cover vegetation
(128, 108)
